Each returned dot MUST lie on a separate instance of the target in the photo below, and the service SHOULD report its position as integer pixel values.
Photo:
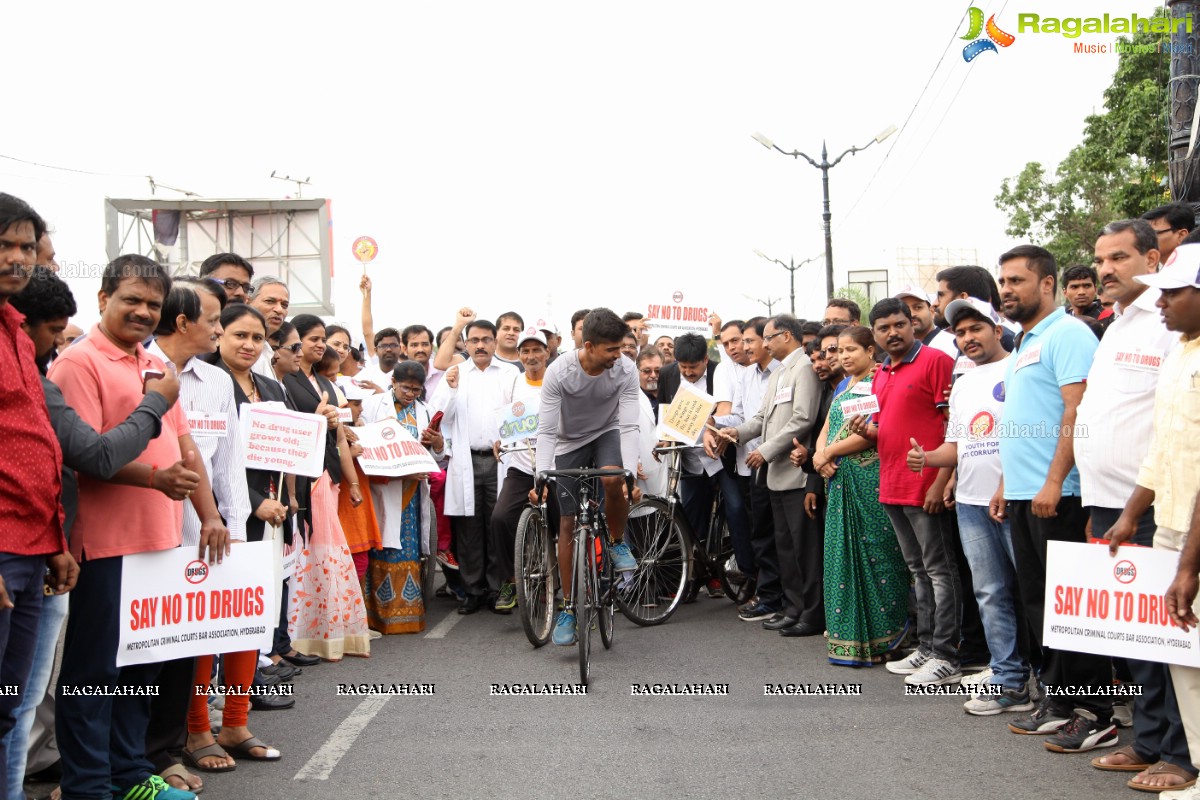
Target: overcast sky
(515, 155)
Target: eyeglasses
(387, 346)
(1164, 230)
(650, 371)
(232, 283)
(773, 335)
(477, 341)
(406, 388)
(829, 351)
(294, 348)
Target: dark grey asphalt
(463, 743)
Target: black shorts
(603, 451)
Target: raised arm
(368, 320)
(445, 352)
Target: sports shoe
(1190, 793)
(564, 628)
(756, 612)
(1044, 719)
(1122, 714)
(978, 678)
(909, 664)
(447, 559)
(731, 568)
(751, 603)
(990, 705)
(506, 601)
(1082, 732)
(153, 788)
(935, 672)
(622, 558)
(1035, 688)
(715, 592)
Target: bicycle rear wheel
(585, 599)
(535, 577)
(607, 603)
(662, 547)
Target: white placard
(677, 314)
(280, 440)
(176, 606)
(518, 421)
(867, 404)
(684, 419)
(1114, 606)
(389, 450)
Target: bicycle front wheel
(585, 604)
(535, 577)
(662, 547)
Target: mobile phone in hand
(435, 424)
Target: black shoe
(271, 702)
(51, 774)
(285, 672)
(801, 629)
(779, 621)
(471, 604)
(302, 660)
(267, 680)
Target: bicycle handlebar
(545, 476)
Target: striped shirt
(206, 397)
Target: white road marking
(440, 630)
(341, 740)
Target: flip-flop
(1126, 751)
(242, 750)
(1165, 768)
(192, 758)
(178, 771)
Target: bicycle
(592, 590)
(673, 564)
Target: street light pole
(825, 165)
(769, 303)
(791, 267)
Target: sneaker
(715, 592)
(751, 603)
(507, 599)
(909, 664)
(564, 628)
(447, 559)
(1122, 714)
(153, 788)
(1035, 688)
(935, 672)
(731, 568)
(1007, 700)
(1082, 732)
(1044, 719)
(1190, 793)
(622, 558)
(757, 612)
(373, 634)
(978, 678)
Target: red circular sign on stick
(365, 249)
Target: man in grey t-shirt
(589, 416)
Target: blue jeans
(16, 743)
(988, 547)
(23, 580)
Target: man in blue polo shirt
(1039, 489)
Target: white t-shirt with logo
(976, 408)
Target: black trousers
(471, 533)
(1059, 667)
(514, 497)
(166, 732)
(801, 549)
(762, 540)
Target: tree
(858, 296)
(1117, 171)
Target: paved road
(463, 743)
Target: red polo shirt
(30, 459)
(911, 401)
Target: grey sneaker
(622, 558)
(935, 672)
(1082, 732)
(990, 705)
(909, 664)
(506, 601)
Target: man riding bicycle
(589, 416)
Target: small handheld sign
(365, 249)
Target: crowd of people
(890, 483)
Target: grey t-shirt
(576, 408)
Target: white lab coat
(656, 471)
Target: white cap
(1180, 270)
(531, 334)
(914, 291)
(543, 324)
(973, 304)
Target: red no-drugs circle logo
(677, 297)
(1125, 571)
(388, 434)
(195, 572)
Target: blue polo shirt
(1057, 352)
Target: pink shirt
(104, 385)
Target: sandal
(1136, 765)
(1165, 768)
(192, 758)
(178, 771)
(242, 750)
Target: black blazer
(306, 400)
(258, 480)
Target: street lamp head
(885, 133)
(759, 253)
(764, 141)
